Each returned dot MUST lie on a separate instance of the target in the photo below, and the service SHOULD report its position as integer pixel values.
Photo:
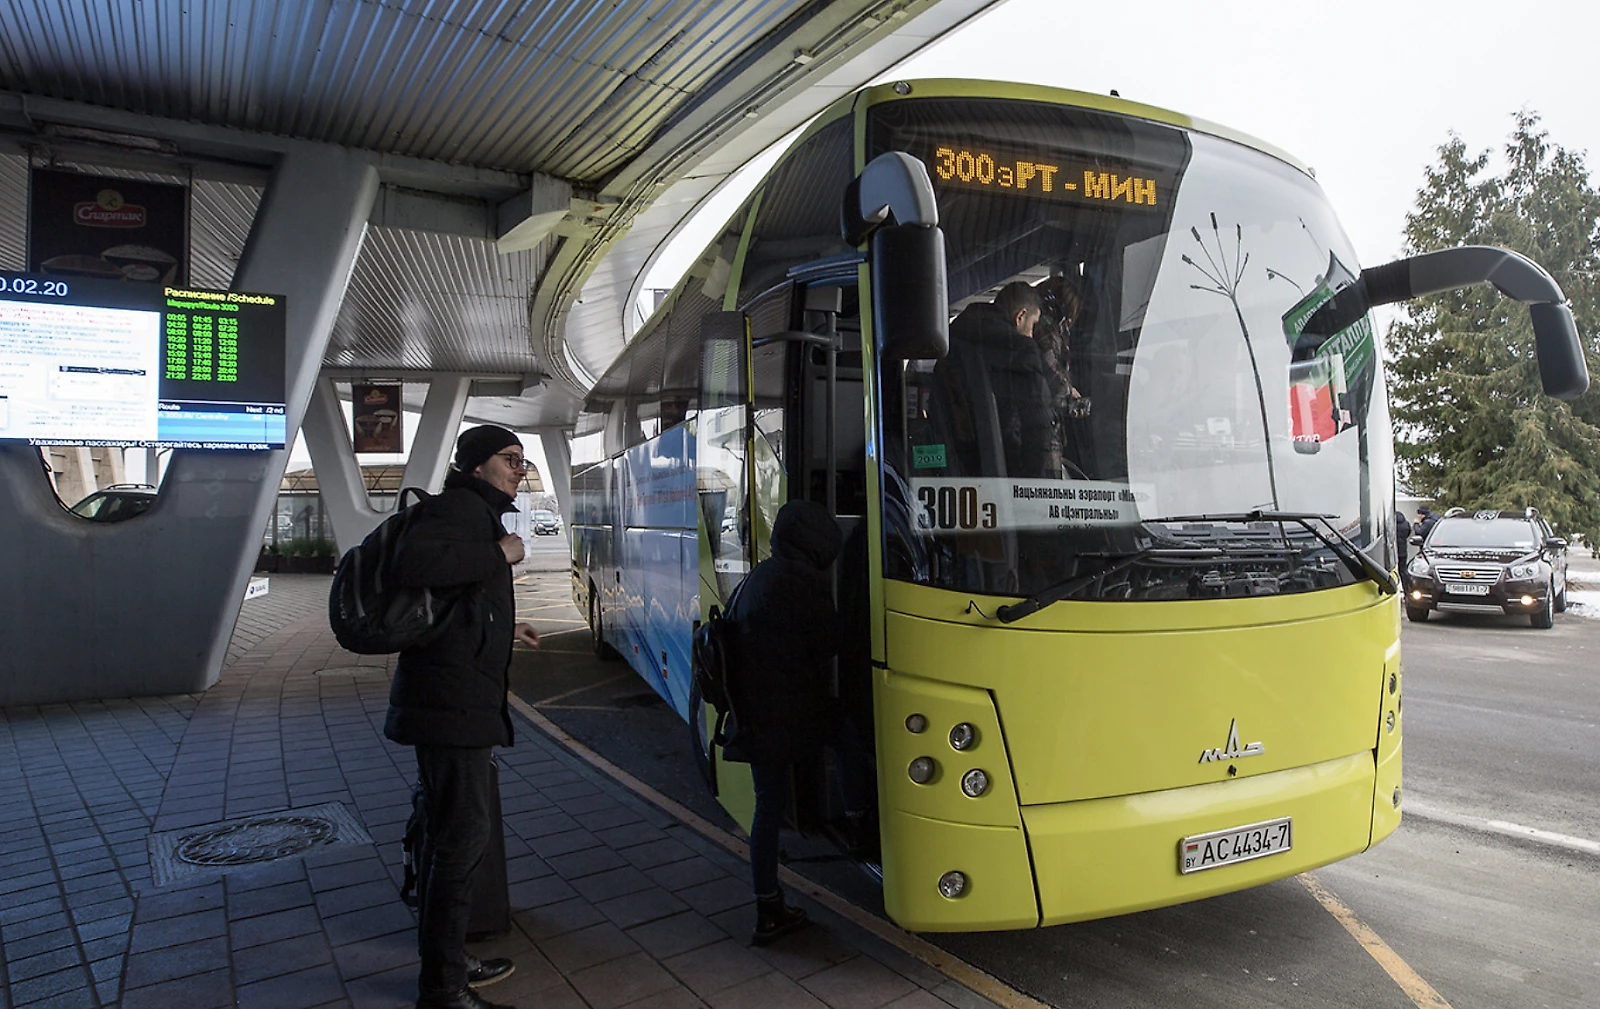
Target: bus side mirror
(1563, 372)
(910, 320)
(891, 207)
(1562, 369)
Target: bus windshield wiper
(1062, 590)
(1353, 556)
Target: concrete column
(435, 439)
(148, 606)
(333, 456)
(558, 460)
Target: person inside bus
(995, 389)
(1061, 303)
(787, 636)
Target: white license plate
(1467, 590)
(1236, 844)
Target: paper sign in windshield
(991, 504)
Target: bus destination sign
(989, 168)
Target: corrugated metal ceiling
(630, 94)
(570, 88)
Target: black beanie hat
(477, 444)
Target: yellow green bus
(1093, 391)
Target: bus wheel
(1417, 614)
(597, 626)
(699, 734)
(1545, 617)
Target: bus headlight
(963, 736)
(974, 783)
(916, 723)
(953, 884)
(921, 770)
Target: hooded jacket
(452, 690)
(787, 633)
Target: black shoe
(487, 972)
(466, 998)
(775, 920)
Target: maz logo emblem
(1232, 750)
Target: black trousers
(458, 786)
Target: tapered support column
(558, 460)
(148, 606)
(344, 493)
(436, 433)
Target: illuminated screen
(98, 362)
(997, 169)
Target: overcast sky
(1365, 92)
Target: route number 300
(954, 508)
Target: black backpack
(716, 665)
(370, 613)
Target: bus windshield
(1127, 358)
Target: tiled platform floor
(617, 904)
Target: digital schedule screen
(89, 362)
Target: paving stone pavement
(616, 903)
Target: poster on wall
(106, 228)
(376, 415)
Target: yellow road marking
(1420, 992)
(951, 966)
(547, 701)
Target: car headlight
(1524, 570)
(1420, 566)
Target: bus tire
(1544, 617)
(1417, 614)
(597, 627)
(699, 735)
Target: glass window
(1127, 380)
(798, 219)
(1504, 533)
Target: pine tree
(1474, 428)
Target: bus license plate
(1236, 844)
(1467, 590)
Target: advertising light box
(90, 362)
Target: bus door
(722, 478)
(810, 415)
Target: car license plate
(1468, 590)
(1236, 844)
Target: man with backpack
(787, 634)
(449, 697)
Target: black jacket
(787, 634)
(996, 398)
(452, 691)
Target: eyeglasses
(514, 461)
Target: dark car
(117, 503)
(1505, 561)
(545, 523)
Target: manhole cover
(251, 840)
(259, 840)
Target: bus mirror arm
(894, 188)
(1562, 370)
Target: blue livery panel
(649, 590)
